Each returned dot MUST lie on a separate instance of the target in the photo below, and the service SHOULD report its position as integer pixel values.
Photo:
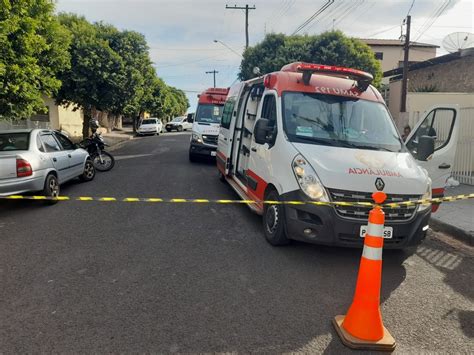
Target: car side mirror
(190, 118)
(426, 147)
(261, 131)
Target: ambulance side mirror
(190, 118)
(261, 131)
(426, 147)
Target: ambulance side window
(227, 113)
(269, 112)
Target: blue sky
(180, 33)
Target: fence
(21, 124)
(463, 169)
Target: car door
(76, 156)
(442, 123)
(259, 165)
(58, 156)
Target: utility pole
(403, 104)
(246, 8)
(214, 72)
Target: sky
(181, 33)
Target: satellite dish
(457, 41)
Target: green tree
(96, 72)
(33, 49)
(331, 48)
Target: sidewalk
(118, 136)
(456, 218)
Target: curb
(457, 233)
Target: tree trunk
(85, 123)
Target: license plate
(387, 232)
(213, 154)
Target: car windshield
(14, 141)
(177, 119)
(209, 113)
(149, 121)
(339, 121)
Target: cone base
(387, 343)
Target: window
(65, 142)
(269, 112)
(339, 121)
(227, 113)
(379, 55)
(208, 113)
(50, 143)
(39, 143)
(14, 141)
(438, 124)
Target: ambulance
(206, 123)
(320, 133)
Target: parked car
(34, 160)
(179, 124)
(150, 126)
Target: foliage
(331, 48)
(111, 71)
(33, 49)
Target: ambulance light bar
(362, 78)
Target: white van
(206, 123)
(312, 132)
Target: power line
(411, 7)
(213, 72)
(312, 17)
(247, 8)
(349, 10)
(433, 19)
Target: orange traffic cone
(362, 327)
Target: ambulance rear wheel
(274, 221)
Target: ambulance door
(442, 124)
(260, 166)
(226, 132)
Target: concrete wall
(454, 76)
(65, 119)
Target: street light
(228, 47)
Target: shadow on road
(458, 268)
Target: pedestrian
(406, 132)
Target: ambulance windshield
(209, 113)
(339, 121)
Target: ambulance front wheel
(274, 221)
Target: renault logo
(379, 184)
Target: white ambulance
(313, 132)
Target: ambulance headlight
(308, 180)
(196, 138)
(426, 196)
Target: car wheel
(51, 188)
(180, 128)
(168, 130)
(274, 221)
(89, 172)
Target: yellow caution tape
(222, 201)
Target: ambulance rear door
(227, 129)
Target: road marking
(225, 201)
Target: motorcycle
(95, 146)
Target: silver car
(34, 160)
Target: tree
(33, 49)
(331, 48)
(96, 72)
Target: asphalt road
(135, 277)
